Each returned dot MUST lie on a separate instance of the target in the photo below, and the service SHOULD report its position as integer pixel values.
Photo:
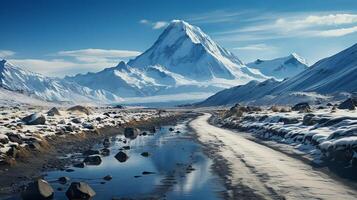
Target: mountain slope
(46, 88)
(280, 68)
(242, 93)
(330, 75)
(186, 50)
(127, 81)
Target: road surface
(267, 173)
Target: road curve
(270, 174)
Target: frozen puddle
(173, 154)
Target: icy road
(266, 173)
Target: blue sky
(65, 37)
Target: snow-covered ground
(15, 132)
(326, 133)
(270, 174)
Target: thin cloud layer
(6, 54)
(75, 61)
(154, 25)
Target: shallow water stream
(179, 169)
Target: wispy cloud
(217, 16)
(154, 25)
(291, 25)
(6, 53)
(338, 32)
(98, 55)
(254, 47)
(75, 61)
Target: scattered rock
(80, 190)
(88, 126)
(79, 165)
(34, 145)
(152, 129)
(286, 120)
(63, 180)
(80, 109)
(14, 138)
(4, 140)
(302, 107)
(77, 120)
(93, 160)
(12, 152)
(145, 154)
(349, 104)
(121, 156)
(34, 119)
(107, 177)
(131, 133)
(106, 142)
(146, 173)
(38, 190)
(53, 111)
(105, 152)
(126, 147)
(171, 129)
(309, 120)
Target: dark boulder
(131, 133)
(152, 129)
(79, 165)
(301, 107)
(105, 152)
(53, 111)
(80, 109)
(349, 104)
(34, 119)
(4, 140)
(107, 177)
(93, 160)
(38, 190)
(80, 190)
(63, 180)
(77, 121)
(145, 154)
(288, 120)
(309, 120)
(121, 156)
(14, 138)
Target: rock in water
(38, 190)
(80, 190)
(301, 107)
(93, 160)
(145, 154)
(53, 111)
(80, 109)
(121, 156)
(63, 180)
(131, 133)
(349, 104)
(34, 119)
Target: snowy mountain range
(50, 89)
(183, 60)
(281, 68)
(329, 76)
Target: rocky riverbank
(35, 138)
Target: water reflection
(182, 171)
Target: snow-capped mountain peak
(280, 68)
(186, 50)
